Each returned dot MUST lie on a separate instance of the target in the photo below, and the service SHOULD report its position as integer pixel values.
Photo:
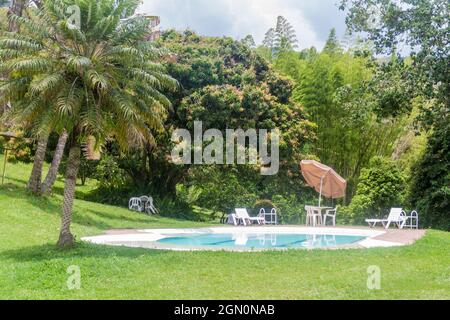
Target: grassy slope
(32, 268)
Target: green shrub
(224, 188)
(361, 208)
(188, 194)
(109, 174)
(381, 186)
(289, 209)
(20, 151)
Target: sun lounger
(242, 215)
(397, 216)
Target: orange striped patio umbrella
(323, 179)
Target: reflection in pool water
(260, 241)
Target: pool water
(260, 241)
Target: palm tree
(47, 185)
(34, 183)
(100, 79)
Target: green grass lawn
(31, 267)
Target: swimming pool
(261, 240)
(257, 238)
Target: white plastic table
(320, 209)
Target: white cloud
(237, 18)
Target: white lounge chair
(242, 215)
(397, 216)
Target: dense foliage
(423, 26)
(382, 185)
(358, 104)
(365, 113)
(430, 191)
(226, 85)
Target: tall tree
(101, 77)
(34, 183)
(332, 46)
(285, 37)
(269, 38)
(249, 41)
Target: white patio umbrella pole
(320, 195)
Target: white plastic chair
(135, 204)
(147, 205)
(330, 214)
(313, 216)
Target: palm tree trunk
(66, 239)
(34, 184)
(50, 179)
(17, 7)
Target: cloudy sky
(312, 19)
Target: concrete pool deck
(147, 238)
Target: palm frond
(132, 31)
(46, 83)
(148, 78)
(41, 31)
(29, 65)
(102, 78)
(19, 44)
(96, 80)
(78, 63)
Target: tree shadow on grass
(139, 218)
(48, 252)
(48, 206)
(79, 194)
(52, 207)
(18, 182)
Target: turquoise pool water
(260, 241)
